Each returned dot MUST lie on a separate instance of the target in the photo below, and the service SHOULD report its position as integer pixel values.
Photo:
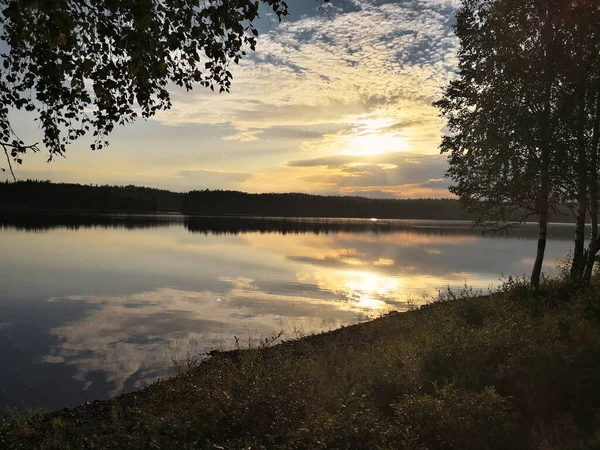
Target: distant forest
(45, 196)
(306, 205)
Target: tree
(88, 65)
(501, 109)
(524, 113)
(580, 125)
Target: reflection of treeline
(232, 225)
(285, 225)
(47, 196)
(291, 225)
(36, 221)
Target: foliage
(91, 65)
(514, 369)
(494, 108)
(449, 418)
(524, 116)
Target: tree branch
(33, 147)
(4, 146)
(17, 148)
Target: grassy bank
(509, 370)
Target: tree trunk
(546, 149)
(579, 257)
(541, 249)
(593, 247)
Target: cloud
(244, 136)
(384, 262)
(331, 162)
(302, 133)
(393, 170)
(437, 183)
(213, 177)
(371, 59)
(399, 191)
(341, 161)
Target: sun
(375, 144)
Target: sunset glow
(335, 100)
(375, 144)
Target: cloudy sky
(336, 100)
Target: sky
(335, 100)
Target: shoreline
(494, 371)
(178, 214)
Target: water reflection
(218, 225)
(43, 222)
(100, 305)
(128, 335)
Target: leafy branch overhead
(88, 65)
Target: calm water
(92, 306)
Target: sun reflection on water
(369, 290)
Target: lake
(91, 306)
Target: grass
(508, 370)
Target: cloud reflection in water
(135, 294)
(129, 335)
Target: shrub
(453, 419)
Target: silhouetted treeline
(44, 196)
(305, 205)
(48, 196)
